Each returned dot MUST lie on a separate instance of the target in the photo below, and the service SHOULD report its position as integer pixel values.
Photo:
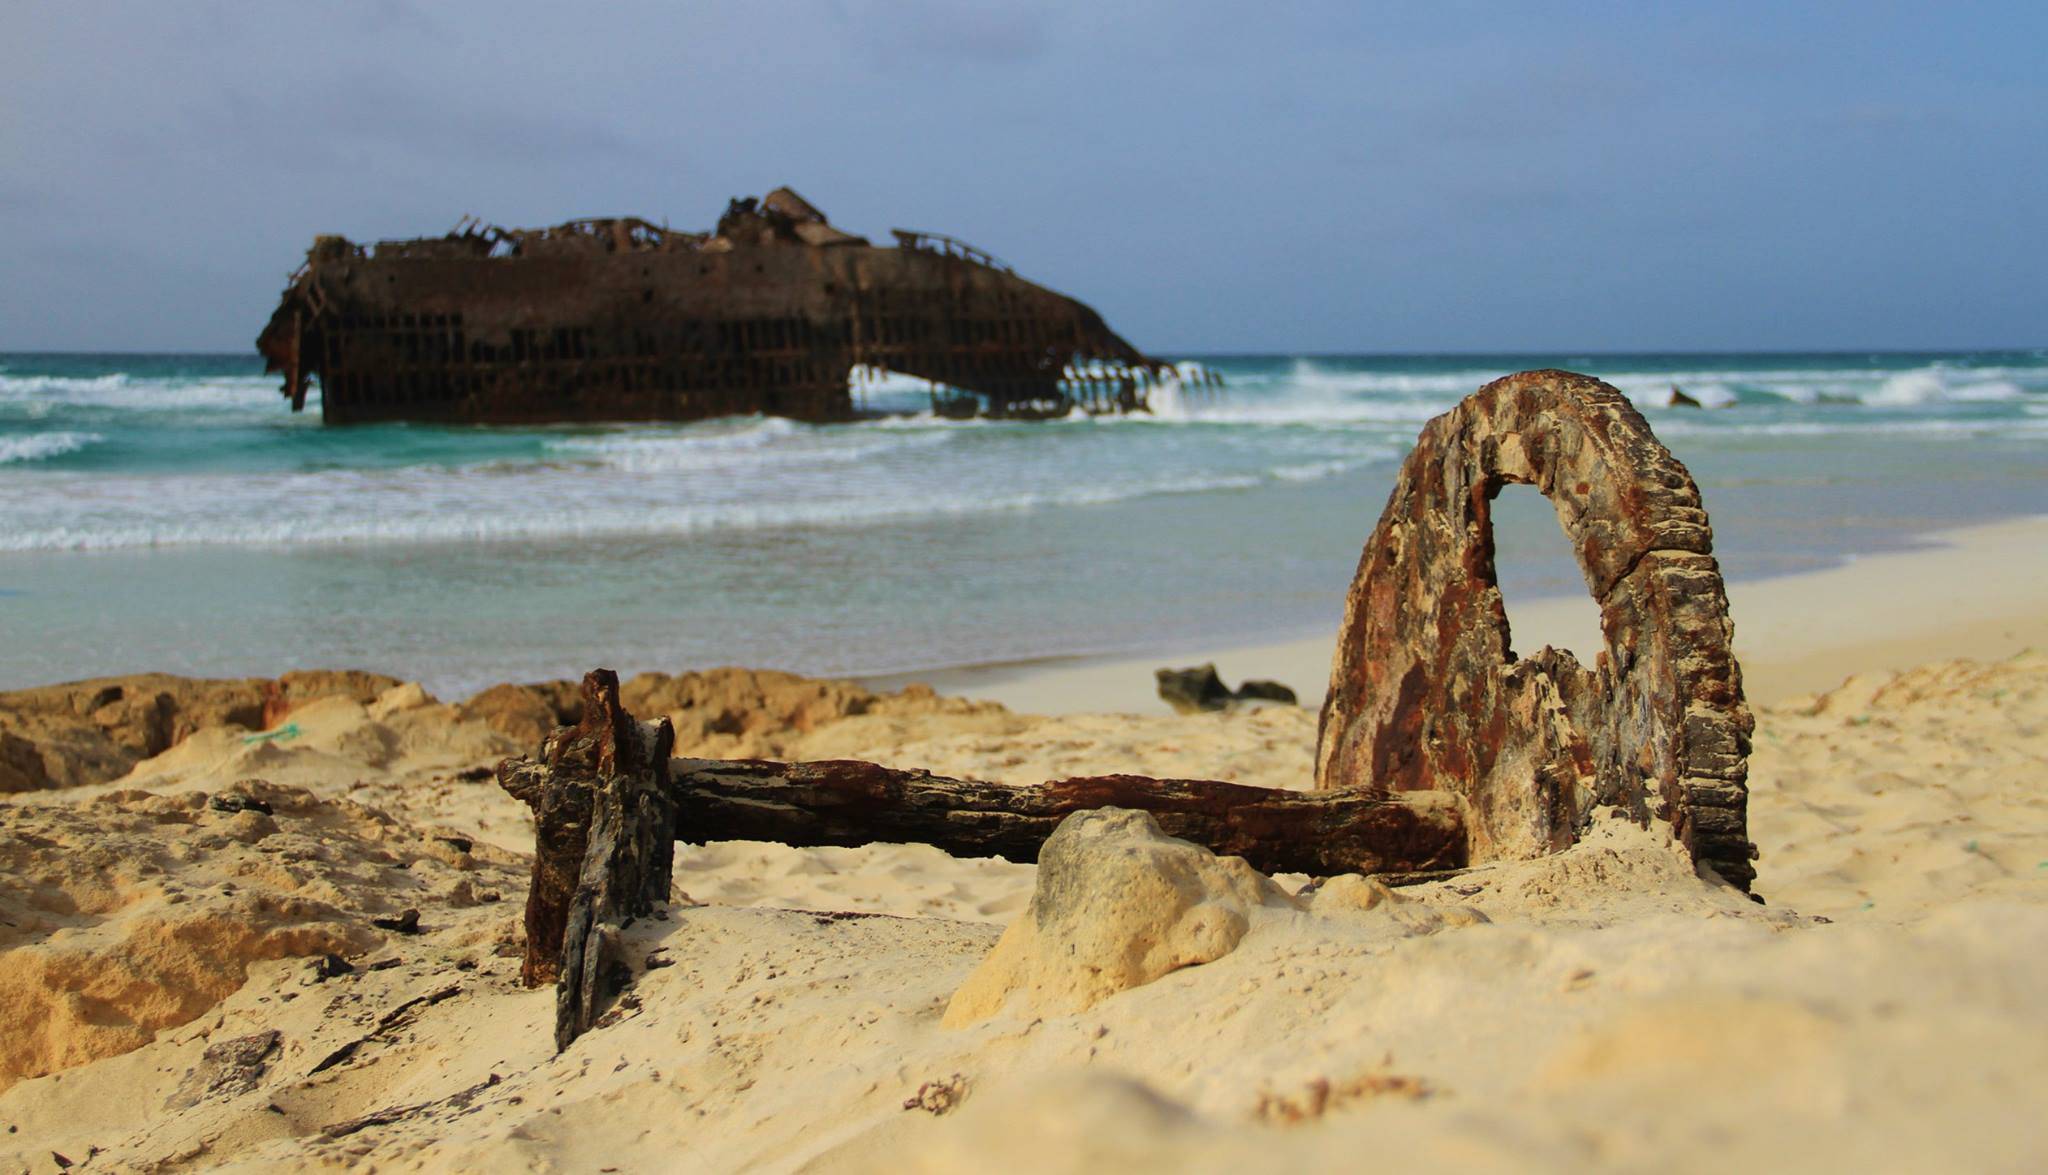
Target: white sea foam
(1347, 413)
(58, 386)
(44, 445)
(1988, 390)
(1318, 470)
(1290, 422)
(1933, 429)
(122, 391)
(1910, 387)
(1929, 385)
(335, 507)
(769, 442)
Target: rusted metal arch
(1426, 692)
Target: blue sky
(1290, 177)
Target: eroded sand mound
(90, 732)
(93, 731)
(135, 912)
(730, 713)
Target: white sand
(1602, 1008)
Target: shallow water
(169, 512)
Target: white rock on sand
(1118, 904)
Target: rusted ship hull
(622, 321)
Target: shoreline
(1964, 592)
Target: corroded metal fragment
(1426, 692)
(604, 846)
(845, 802)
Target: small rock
(235, 802)
(1265, 691)
(1199, 688)
(1192, 690)
(939, 1097)
(407, 922)
(330, 966)
(1118, 904)
(226, 1069)
(398, 699)
(250, 827)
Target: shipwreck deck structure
(622, 320)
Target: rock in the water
(1117, 905)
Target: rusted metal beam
(847, 803)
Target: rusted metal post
(605, 827)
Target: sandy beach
(197, 982)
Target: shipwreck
(774, 312)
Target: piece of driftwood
(1427, 693)
(846, 802)
(604, 847)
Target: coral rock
(1118, 904)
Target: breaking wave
(765, 442)
(120, 390)
(209, 455)
(1933, 385)
(345, 507)
(44, 445)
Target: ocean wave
(1945, 429)
(349, 507)
(120, 390)
(43, 445)
(768, 442)
(1657, 393)
(26, 386)
(1930, 385)
(1318, 470)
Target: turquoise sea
(168, 512)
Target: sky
(1292, 176)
